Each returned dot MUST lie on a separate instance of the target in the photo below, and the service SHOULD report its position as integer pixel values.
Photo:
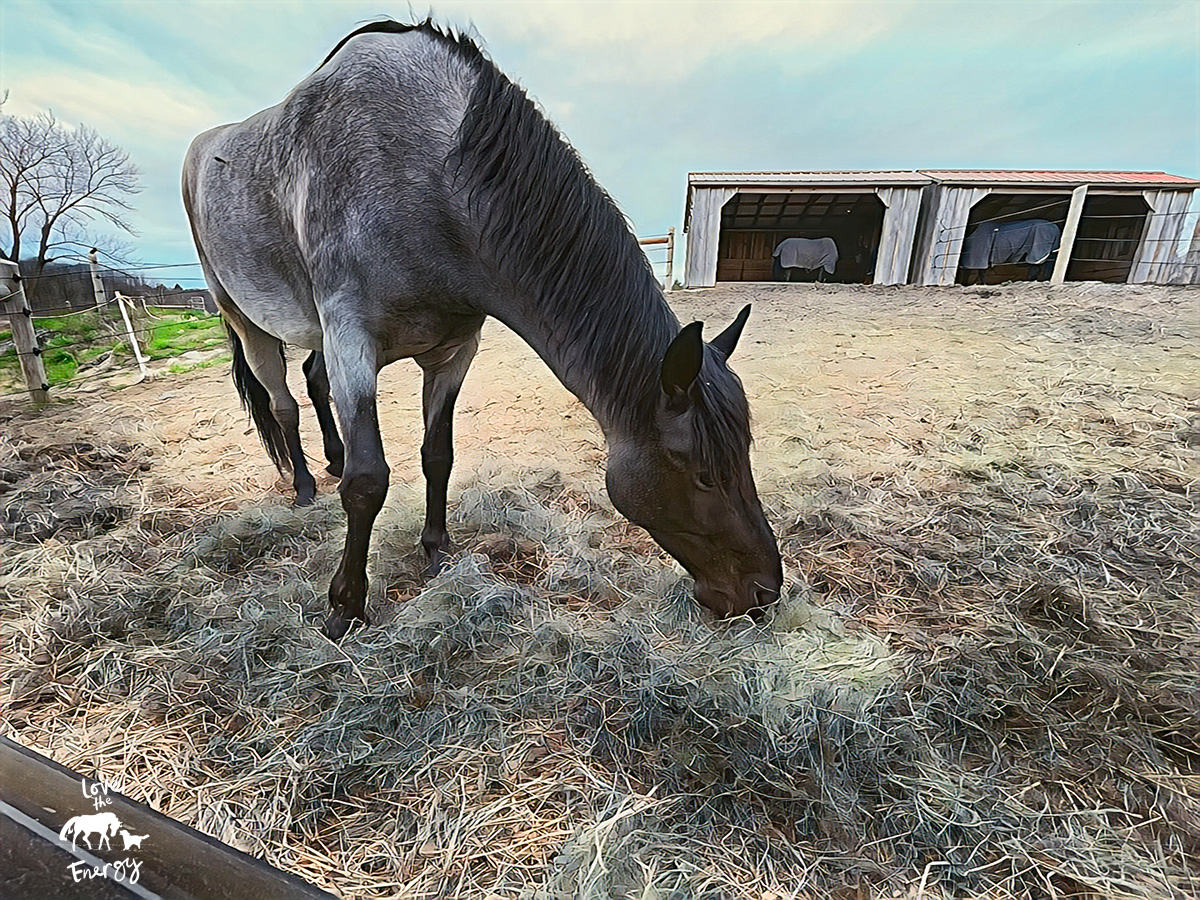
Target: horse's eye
(705, 481)
(677, 459)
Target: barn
(734, 220)
(898, 227)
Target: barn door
(899, 231)
(1155, 261)
(703, 233)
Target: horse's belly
(297, 332)
(273, 305)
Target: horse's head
(686, 478)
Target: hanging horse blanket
(805, 253)
(1029, 241)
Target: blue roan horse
(402, 193)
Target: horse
(99, 825)
(402, 193)
(814, 255)
(1031, 241)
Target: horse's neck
(607, 355)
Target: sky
(648, 91)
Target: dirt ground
(988, 683)
(843, 380)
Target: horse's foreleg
(443, 379)
(352, 375)
(316, 377)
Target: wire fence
(659, 249)
(109, 335)
(1170, 251)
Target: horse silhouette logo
(101, 826)
(132, 841)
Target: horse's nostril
(765, 596)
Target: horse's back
(346, 177)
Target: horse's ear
(727, 339)
(681, 364)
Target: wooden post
(97, 284)
(1067, 245)
(669, 240)
(103, 321)
(20, 317)
(669, 280)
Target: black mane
(561, 240)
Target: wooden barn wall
(1191, 263)
(944, 230)
(704, 230)
(899, 230)
(747, 255)
(1155, 262)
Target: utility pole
(20, 316)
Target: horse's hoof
(338, 625)
(305, 498)
(436, 563)
(335, 468)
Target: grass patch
(181, 368)
(188, 331)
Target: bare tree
(57, 183)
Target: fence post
(137, 351)
(20, 316)
(1066, 246)
(669, 280)
(97, 284)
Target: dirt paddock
(983, 680)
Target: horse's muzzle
(756, 592)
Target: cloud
(122, 109)
(635, 41)
(650, 90)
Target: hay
(991, 690)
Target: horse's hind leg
(260, 374)
(352, 376)
(443, 380)
(316, 377)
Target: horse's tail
(257, 402)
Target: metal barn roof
(944, 176)
(1014, 176)
(769, 178)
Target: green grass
(61, 351)
(183, 332)
(179, 368)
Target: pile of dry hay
(996, 694)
